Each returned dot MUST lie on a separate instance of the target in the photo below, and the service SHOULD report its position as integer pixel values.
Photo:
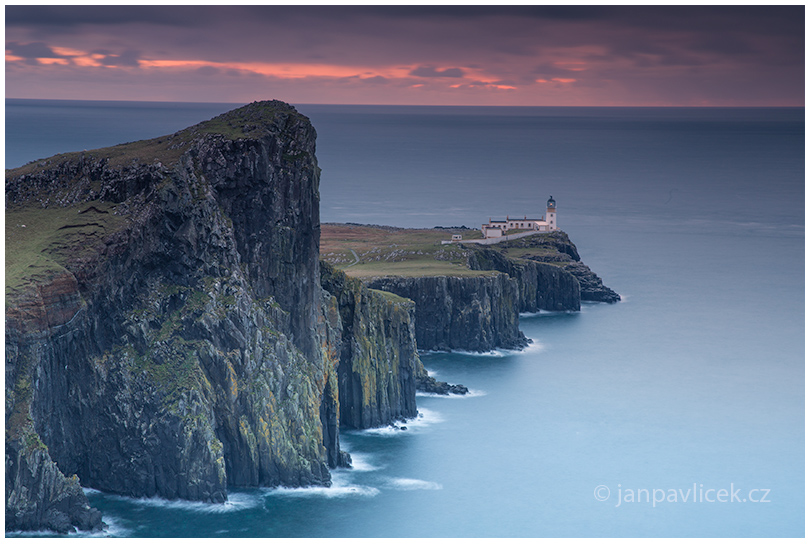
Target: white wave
(360, 463)
(114, 529)
(340, 488)
(424, 419)
(470, 393)
(538, 313)
(236, 501)
(491, 353)
(410, 483)
(548, 313)
(500, 352)
(32, 534)
(431, 373)
(90, 491)
(535, 347)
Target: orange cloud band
(69, 56)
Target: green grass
(413, 269)
(390, 296)
(165, 149)
(389, 251)
(246, 122)
(527, 252)
(364, 251)
(40, 241)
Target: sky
(426, 55)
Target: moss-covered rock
(177, 339)
(379, 364)
(477, 313)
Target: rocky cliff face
(379, 365)
(176, 339)
(480, 313)
(477, 313)
(591, 286)
(554, 248)
(541, 286)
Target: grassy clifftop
(249, 121)
(62, 208)
(364, 251)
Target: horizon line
(403, 105)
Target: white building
(494, 229)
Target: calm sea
(676, 412)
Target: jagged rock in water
(430, 385)
(591, 286)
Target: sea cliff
(167, 333)
(467, 296)
(478, 313)
(378, 364)
(170, 331)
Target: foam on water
(235, 502)
(425, 418)
(360, 463)
(32, 534)
(412, 484)
(470, 393)
(538, 313)
(341, 487)
(535, 347)
(114, 529)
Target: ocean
(678, 412)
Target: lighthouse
(551, 214)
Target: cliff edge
(166, 329)
(467, 296)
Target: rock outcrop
(480, 313)
(379, 364)
(475, 313)
(541, 286)
(551, 292)
(591, 286)
(170, 335)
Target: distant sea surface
(678, 412)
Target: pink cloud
(678, 55)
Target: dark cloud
(430, 71)
(71, 16)
(759, 19)
(551, 70)
(620, 47)
(208, 71)
(31, 50)
(127, 58)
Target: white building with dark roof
(495, 229)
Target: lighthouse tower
(551, 214)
